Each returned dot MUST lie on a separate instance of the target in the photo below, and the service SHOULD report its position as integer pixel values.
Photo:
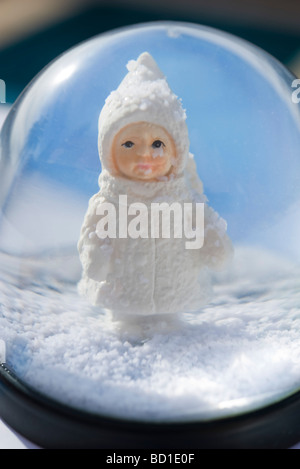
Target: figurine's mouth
(147, 166)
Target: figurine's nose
(144, 152)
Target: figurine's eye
(158, 144)
(128, 144)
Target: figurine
(144, 152)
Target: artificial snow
(240, 352)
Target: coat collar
(172, 189)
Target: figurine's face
(143, 151)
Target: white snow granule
(240, 352)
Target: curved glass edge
(231, 409)
(52, 425)
(256, 55)
(226, 407)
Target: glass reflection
(240, 352)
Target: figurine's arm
(217, 249)
(94, 253)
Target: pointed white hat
(143, 96)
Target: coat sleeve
(217, 249)
(94, 253)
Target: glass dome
(239, 353)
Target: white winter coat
(147, 276)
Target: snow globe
(222, 374)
